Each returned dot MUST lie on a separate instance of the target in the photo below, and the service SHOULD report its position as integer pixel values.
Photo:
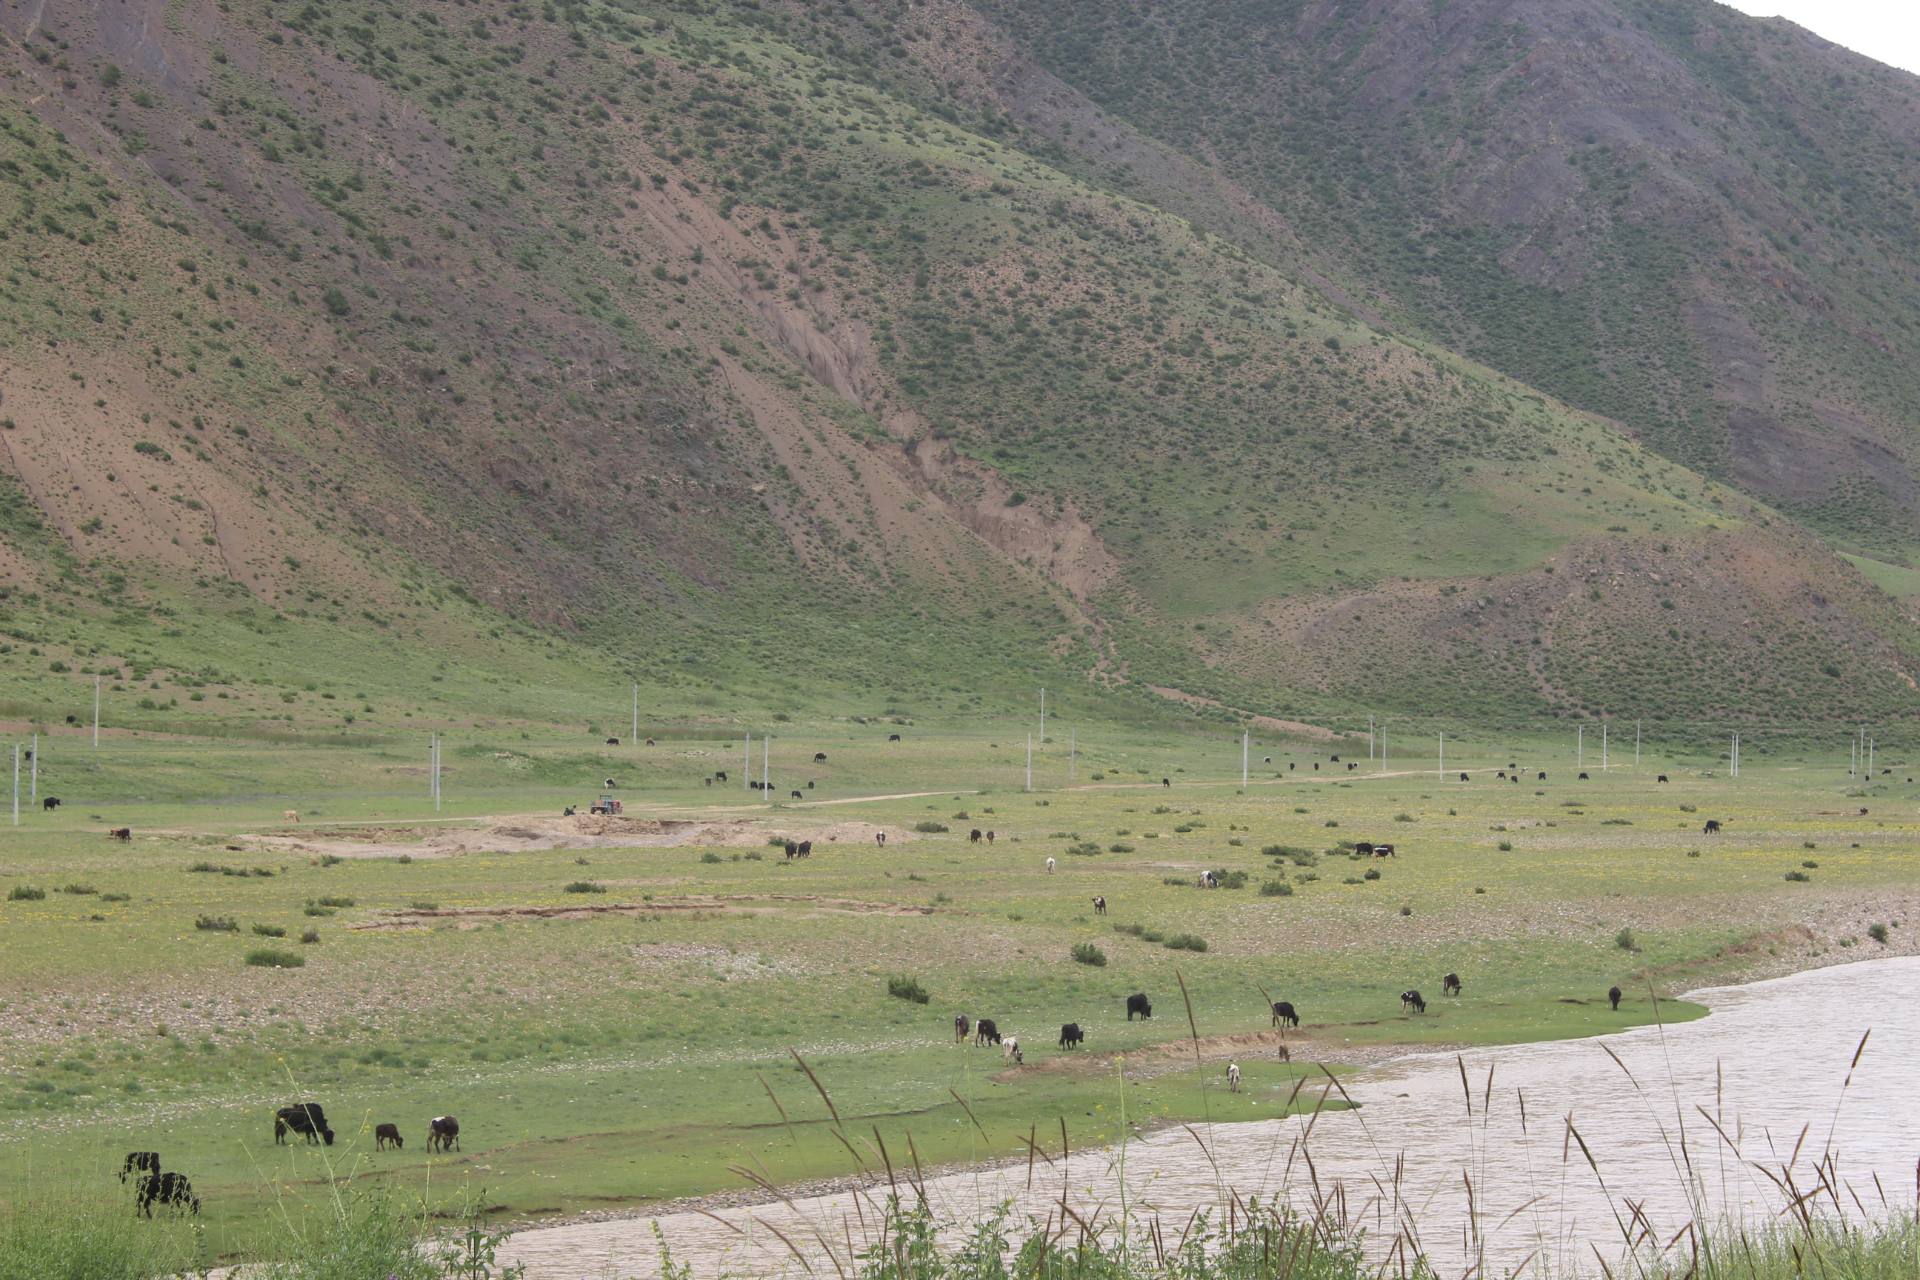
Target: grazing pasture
(617, 1009)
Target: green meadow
(630, 1012)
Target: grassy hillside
(760, 352)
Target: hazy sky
(1885, 30)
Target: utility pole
(16, 784)
(33, 757)
(1383, 749)
(1369, 735)
(766, 766)
(96, 713)
(1853, 756)
(1029, 762)
(1869, 758)
(746, 763)
(1733, 755)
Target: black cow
(792, 849)
(1284, 1014)
(819, 757)
(1412, 1000)
(809, 784)
(1712, 828)
(1465, 778)
(1450, 985)
(387, 1135)
(962, 1028)
(806, 848)
(1100, 904)
(1351, 766)
(613, 742)
(1514, 778)
(306, 1119)
(1166, 782)
(50, 804)
(719, 775)
(893, 737)
(1501, 775)
(984, 1032)
(798, 796)
(169, 1190)
(142, 1162)
(1138, 1003)
(1335, 759)
(443, 1132)
(1071, 1036)
(1583, 778)
(122, 834)
(1661, 778)
(973, 836)
(1363, 846)
(1613, 998)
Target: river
(1471, 1159)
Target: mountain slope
(759, 348)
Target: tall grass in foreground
(85, 1234)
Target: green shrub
(585, 886)
(270, 931)
(710, 856)
(1625, 940)
(1186, 942)
(25, 893)
(905, 988)
(1372, 873)
(310, 935)
(217, 924)
(1087, 953)
(1506, 846)
(1878, 932)
(1119, 848)
(78, 889)
(1798, 876)
(268, 958)
(930, 828)
(1275, 889)
(336, 902)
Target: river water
(1469, 1159)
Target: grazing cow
(291, 815)
(50, 803)
(1712, 828)
(1050, 865)
(1335, 759)
(1412, 1000)
(893, 737)
(142, 1162)
(806, 848)
(1465, 778)
(443, 1132)
(1543, 775)
(1383, 851)
(1284, 1014)
(1450, 985)
(1166, 782)
(989, 836)
(973, 836)
(809, 784)
(962, 1028)
(122, 834)
(798, 796)
(984, 1032)
(880, 837)
(387, 1135)
(1071, 1036)
(1502, 775)
(1661, 778)
(1291, 766)
(1863, 813)
(1583, 778)
(1208, 880)
(613, 742)
(1613, 998)
(1233, 1077)
(819, 757)
(306, 1119)
(1010, 1051)
(1267, 760)
(792, 849)
(1352, 765)
(1363, 846)
(1099, 904)
(1283, 1053)
(1316, 766)
(1513, 777)
(1138, 1003)
(170, 1191)
(611, 784)
(719, 775)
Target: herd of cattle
(174, 1191)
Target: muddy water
(1485, 1178)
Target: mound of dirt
(525, 833)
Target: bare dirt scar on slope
(710, 904)
(582, 831)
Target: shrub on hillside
(901, 987)
(1087, 953)
(267, 958)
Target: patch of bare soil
(710, 904)
(1245, 1046)
(533, 834)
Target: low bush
(78, 888)
(1275, 889)
(268, 958)
(25, 893)
(905, 988)
(310, 935)
(1186, 942)
(930, 828)
(1087, 953)
(217, 924)
(1878, 932)
(269, 931)
(585, 886)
